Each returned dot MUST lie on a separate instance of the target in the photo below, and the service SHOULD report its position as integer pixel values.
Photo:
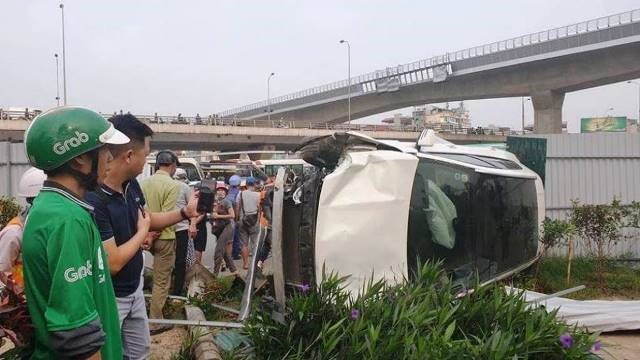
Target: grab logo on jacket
(73, 274)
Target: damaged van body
(379, 208)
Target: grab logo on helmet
(62, 147)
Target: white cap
(31, 183)
(180, 174)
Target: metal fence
(593, 168)
(426, 69)
(13, 163)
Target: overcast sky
(184, 56)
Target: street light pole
(349, 76)
(64, 59)
(638, 85)
(269, 96)
(522, 113)
(57, 80)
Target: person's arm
(9, 249)
(71, 317)
(160, 220)
(266, 208)
(230, 215)
(193, 226)
(119, 256)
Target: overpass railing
(213, 120)
(392, 78)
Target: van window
(192, 171)
(471, 221)
(272, 170)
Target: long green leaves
(413, 320)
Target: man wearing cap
(161, 192)
(67, 283)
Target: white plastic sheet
(594, 315)
(362, 217)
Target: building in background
(400, 120)
(430, 116)
(433, 117)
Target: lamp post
(606, 114)
(64, 59)
(269, 96)
(349, 76)
(638, 85)
(57, 80)
(522, 113)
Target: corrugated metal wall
(13, 163)
(593, 168)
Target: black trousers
(182, 241)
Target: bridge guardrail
(213, 120)
(423, 70)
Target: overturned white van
(381, 207)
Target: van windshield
(471, 221)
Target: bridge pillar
(547, 106)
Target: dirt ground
(166, 344)
(620, 345)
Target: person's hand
(144, 220)
(192, 206)
(148, 241)
(193, 231)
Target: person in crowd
(161, 193)
(222, 226)
(234, 189)
(247, 207)
(266, 207)
(185, 231)
(11, 234)
(124, 225)
(67, 284)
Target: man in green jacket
(67, 281)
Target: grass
(225, 291)
(621, 281)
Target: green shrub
(422, 319)
(9, 209)
(600, 226)
(555, 232)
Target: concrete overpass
(543, 65)
(224, 138)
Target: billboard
(603, 124)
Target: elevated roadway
(543, 65)
(224, 138)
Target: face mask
(219, 197)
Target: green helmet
(60, 134)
